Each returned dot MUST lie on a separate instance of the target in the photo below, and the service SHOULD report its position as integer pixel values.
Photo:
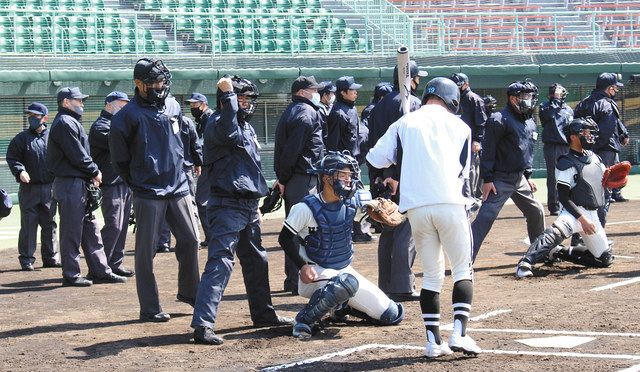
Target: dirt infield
(44, 326)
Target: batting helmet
(446, 90)
(460, 79)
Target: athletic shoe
(464, 344)
(206, 336)
(433, 350)
(302, 331)
(523, 270)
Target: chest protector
(588, 191)
(329, 245)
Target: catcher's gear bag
(94, 199)
(272, 202)
(617, 175)
(384, 211)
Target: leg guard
(338, 290)
(552, 236)
(582, 256)
(392, 316)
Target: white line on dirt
(449, 327)
(627, 257)
(413, 347)
(635, 368)
(553, 332)
(618, 284)
(621, 222)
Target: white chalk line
(621, 222)
(615, 285)
(449, 326)
(552, 332)
(413, 347)
(634, 368)
(627, 257)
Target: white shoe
(464, 344)
(433, 350)
(523, 270)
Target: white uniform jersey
(433, 168)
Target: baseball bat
(404, 78)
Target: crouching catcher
(323, 223)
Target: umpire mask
(156, 78)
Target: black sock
(430, 306)
(462, 297)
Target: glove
(94, 199)
(384, 211)
(271, 202)
(617, 175)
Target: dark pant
(516, 187)
(150, 214)
(552, 151)
(116, 209)
(396, 253)
(37, 207)
(299, 186)
(235, 229)
(78, 230)
(203, 190)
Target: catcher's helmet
(556, 86)
(577, 127)
(151, 71)
(414, 70)
(446, 90)
(459, 78)
(490, 103)
(335, 162)
(527, 94)
(244, 87)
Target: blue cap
(518, 87)
(459, 78)
(346, 83)
(37, 108)
(381, 90)
(70, 93)
(197, 97)
(116, 96)
(326, 87)
(607, 79)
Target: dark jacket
(604, 111)
(364, 115)
(68, 151)
(299, 145)
(201, 122)
(192, 147)
(385, 113)
(147, 151)
(207, 154)
(233, 147)
(27, 151)
(554, 115)
(508, 144)
(99, 141)
(343, 128)
(472, 112)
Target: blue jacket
(207, 153)
(201, 122)
(99, 141)
(554, 115)
(68, 151)
(192, 147)
(604, 111)
(233, 148)
(298, 145)
(508, 144)
(472, 112)
(147, 151)
(27, 151)
(343, 128)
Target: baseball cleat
(433, 350)
(463, 344)
(302, 331)
(523, 270)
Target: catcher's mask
(244, 88)
(151, 72)
(586, 128)
(344, 172)
(527, 96)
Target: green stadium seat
(78, 21)
(251, 4)
(220, 23)
(321, 23)
(128, 23)
(77, 33)
(202, 22)
(201, 35)
(348, 45)
(34, 4)
(97, 4)
(77, 46)
(315, 45)
(6, 32)
(218, 4)
(190, 4)
(152, 4)
(334, 45)
(201, 5)
(113, 21)
(283, 33)
(161, 46)
(6, 21)
(268, 4)
(42, 45)
(129, 46)
(236, 33)
(6, 45)
(338, 22)
(42, 21)
(42, 32)
(315, 34)
(18, 4)
(171, 4)
(61, 46)
(302, 4)
(110, 33)
(24, 45)
(112, 46)
(283, 46)
(235, 23)
(314, 4)
(24, 21)
(50, 4)
(235, 4)
(128, 34)
(303, 45)
(351, 32)
(336, 33)
(264, 33)
(4, 4)
(264, 46)
(283, 4)
(23, 32)
(283, 22)
(184, 23)
(303, 34)
(61, 21)
(144, 35)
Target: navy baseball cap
(116, 96)
(326, 87)
(607, 79)
(304, 82)
(518, 87)
(459, 78)
(197, 97)
(37, 108)
(70, 93)
(346, 83)
(381, 90)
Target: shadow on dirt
(31, 286)
(64, 327)
(109, 348)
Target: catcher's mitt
(271, 202)
(617, 175)
(94, 199)
(384, 211)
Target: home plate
(565, 342)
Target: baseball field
(566, 318)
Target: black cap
(607, 79)
(460, 79)
(70, 93)
(326, 87)
(304, 82)
(37, 108)
(518, 87)
(381, 90)
(346, 83)
(413, 69)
